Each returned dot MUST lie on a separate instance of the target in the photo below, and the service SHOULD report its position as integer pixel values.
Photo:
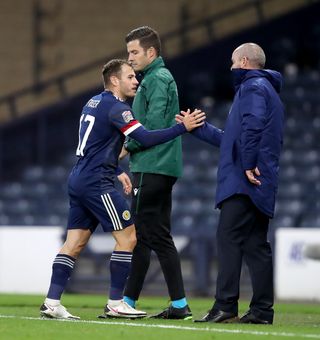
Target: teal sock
(179, 303)
(129, 301)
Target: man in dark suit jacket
(247, 184)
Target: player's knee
(72, 249)
(131, 241)
(128, 243)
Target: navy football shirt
(105, 121)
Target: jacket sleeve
(157, 100)
(208, 133)
(253, 109)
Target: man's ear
(244, 62)
(114, 81)
(151, 52)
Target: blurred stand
(37, 150)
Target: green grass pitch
(19, 319)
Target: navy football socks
(120, 264)
(61, 271)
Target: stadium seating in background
(33, 194)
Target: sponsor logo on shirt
(127, 116)
(93, 103)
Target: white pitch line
(187, 328)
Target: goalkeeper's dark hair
(112, 68)
(147, 36)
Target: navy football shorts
(109, 209)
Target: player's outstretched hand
(191, 120)
(179, 118)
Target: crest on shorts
(127, 116)
(126, 215)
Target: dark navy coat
(252, 137)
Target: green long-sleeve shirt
(155, 106)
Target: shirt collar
(158, 62)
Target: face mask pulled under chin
(237, 75)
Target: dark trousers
(151, 209)
(242, 235)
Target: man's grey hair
(253, 52)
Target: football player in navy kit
(105, 121)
